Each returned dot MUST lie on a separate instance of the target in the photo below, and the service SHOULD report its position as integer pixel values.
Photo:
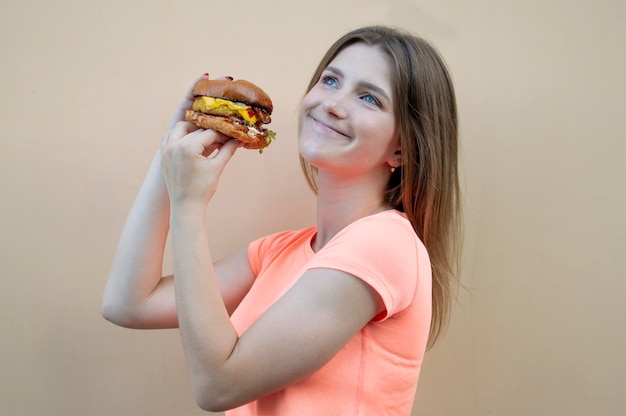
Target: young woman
(329, 320)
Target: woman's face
(347, 123)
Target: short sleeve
(265, 250)
(381, 250)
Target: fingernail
(206, 75)
(230, 78)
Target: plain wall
(87, 89)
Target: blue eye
(370, 99)
(328, 80)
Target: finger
(180, 130)
(226, 152)
(210, 150)
(185, 103)
(165, 140)
(202, 142)
(206, 142)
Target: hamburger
(236, 108)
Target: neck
(340, 202)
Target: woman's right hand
(136, 295)
(185, 104)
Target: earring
(392, 169)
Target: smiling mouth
(327, 127)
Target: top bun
(238, 90)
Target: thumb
(185, 103)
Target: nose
(336, 105)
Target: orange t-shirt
(376, 373)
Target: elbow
(215, 397)
(111, 308)
(116, 314)
(215, 405)
(116, 308)
(211, 404)
(111, 314)
(210, 401)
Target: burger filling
(238, 112)
(221, 107)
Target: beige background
(86, 92)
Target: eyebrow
(365, 84)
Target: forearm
(304, 329)
(136, 269)
(207, 333)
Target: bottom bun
(251, 138)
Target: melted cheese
(219, 106)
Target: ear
(396, 160)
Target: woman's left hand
(192, 161)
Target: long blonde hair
(426, 187)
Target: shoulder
(384, 251)
(285, 238)
(266, 249)
(389, 223)
(388, 232)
